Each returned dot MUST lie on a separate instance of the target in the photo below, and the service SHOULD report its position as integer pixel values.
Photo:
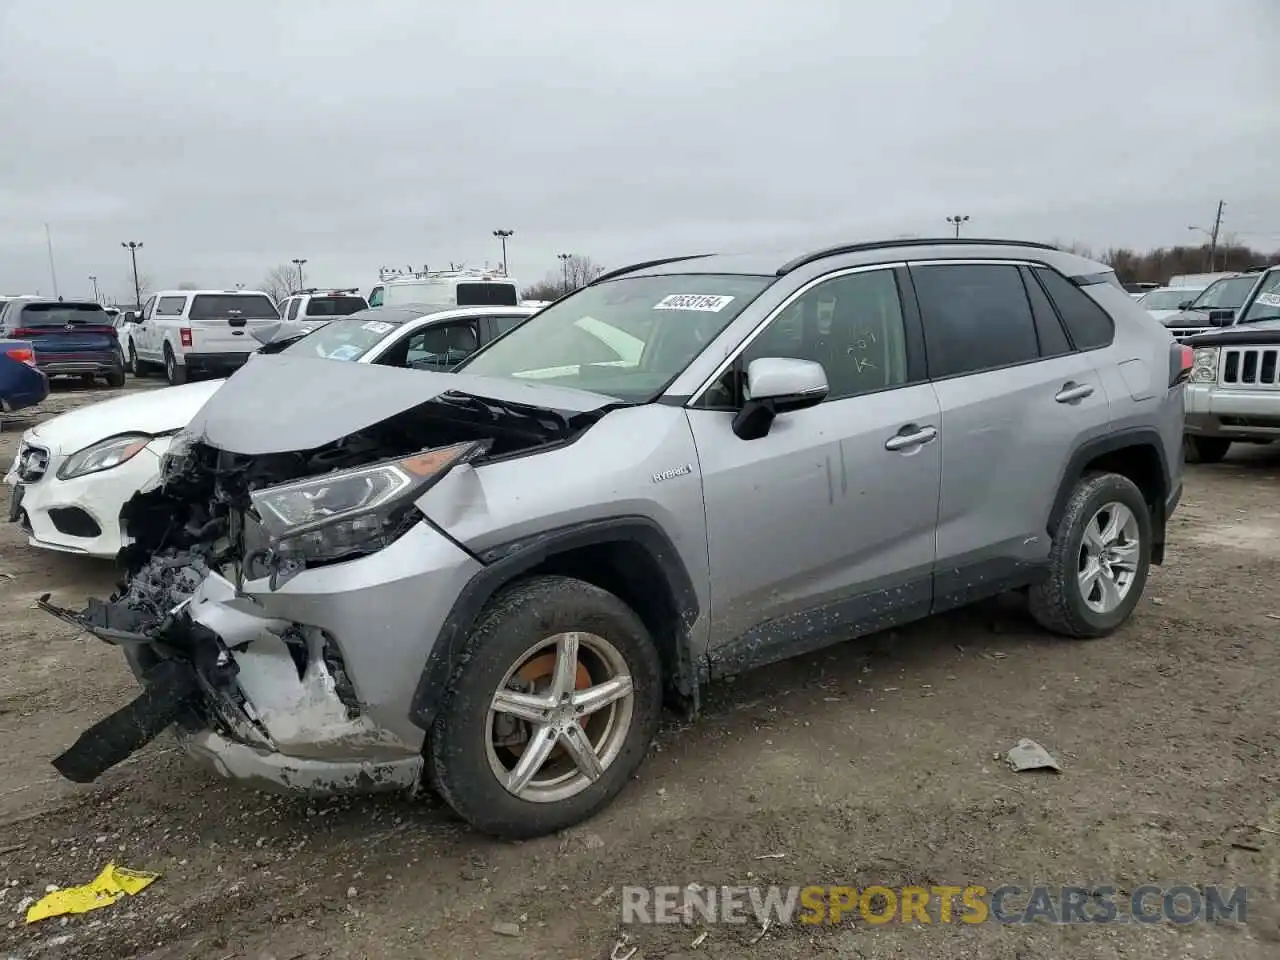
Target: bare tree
(580, 271)
(280, 281)
(146, 284)
(577, 271)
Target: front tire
(553, 708)
(1099, 561)
(136, 366)
(174, 372)
(1204, 449)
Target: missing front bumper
(170, 688)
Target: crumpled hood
(283, 330)
(280, 404)
(146, 411)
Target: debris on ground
(1029, 755)
(108, 887)
(506, 929)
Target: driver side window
(441, 347)
(852, 325)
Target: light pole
(502, 235)
(94, 281)
(298, 262)
(133, 246)
(564, 262)
(958, 219)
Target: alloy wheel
(560, 717)
(1108, 561)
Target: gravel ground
(874, 762)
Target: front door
(823, 529)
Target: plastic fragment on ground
(108, 887)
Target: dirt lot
(871, 763)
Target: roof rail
(803, 259)
(298, 293)
(610, 274)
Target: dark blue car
(21, 384)
(74, 338)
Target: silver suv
(489, 581)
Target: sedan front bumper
(82, 515)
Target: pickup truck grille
(1256, 367)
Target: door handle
(901, 441)
(1072, 391)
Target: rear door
(1016, 397)
(64, 331)
(166, 316)
(223, 322)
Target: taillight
(22, 355)
(185, 334)
(1181, 359)
(23, 332)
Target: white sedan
(73, 473)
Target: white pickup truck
(189, 332)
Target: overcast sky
(232, 135)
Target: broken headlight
(103, 455)
(351, 511)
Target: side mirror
(778, 385)
(1221, 318)
(1184, 304)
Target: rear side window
(503, 324)
(293, 309)
(60, 315)
(1053, 339)
(334, 306)
(487, 295)
(220, 306)
(976, 317)
(170, 306)
(1089, 325)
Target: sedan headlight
(351, 511)
(1204, 365)
(103, 455)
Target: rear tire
(1063, 604)
(115, 379)
(528, 637)
(1204, 449)
(174, 372)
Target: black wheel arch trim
(506, 562)
(1090, 450)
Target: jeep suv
(1234, 393)
(489, 581)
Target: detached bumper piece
(170, 687)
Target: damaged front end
(255, 673)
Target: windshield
(1167, 299)
(346, 339)
(219, 306)
(62, 314)
(335, 306)
(625, 338)
(1225, 294)
(1266, 305)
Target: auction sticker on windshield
(348, 351)
(705, 303)
(376, 326)
(1269, 299)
